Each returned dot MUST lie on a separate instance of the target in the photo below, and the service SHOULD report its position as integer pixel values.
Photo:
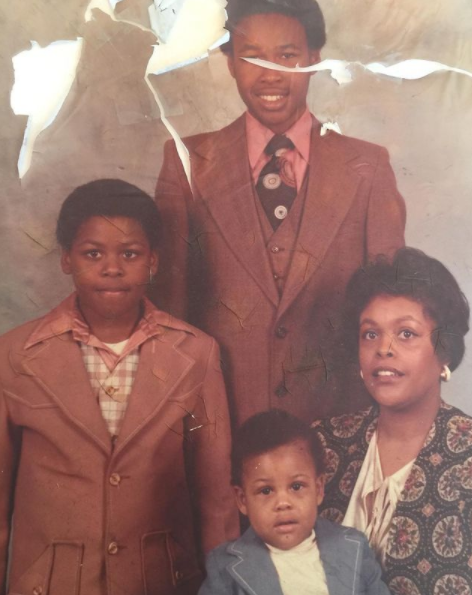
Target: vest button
(115, 479)
(280, 391)
(113, 548)
(271, 181)
(37, 591)
(281, 332)
(275, 249)
(281, 212)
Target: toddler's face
(280, 494)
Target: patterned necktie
(276, 185)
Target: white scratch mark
(103, 5)
(181, 148)
(163, 15)
(330, 126)
(43, 78)
(407, 69)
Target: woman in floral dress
(401, 471)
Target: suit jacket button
(281, 332)
(115, 479)
(281, 391)
(178, 575)
(37, 591)
(112, 548)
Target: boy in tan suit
(260, 245)
(99, 399)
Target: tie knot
(277, 142)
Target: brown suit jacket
(215, 269)
(90, 518)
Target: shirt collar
(66, 317)
(259, 135)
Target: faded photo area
(97, 89)
(285, 149)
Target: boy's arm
(371, 572)
(172, 195)
(385, 230)
(210, 438)
(9, 446)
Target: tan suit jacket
(90, 518)
(215, 269)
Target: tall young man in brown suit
(261, 244)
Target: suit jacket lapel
(222, 177)
(45, 364)
(340, 558)
(254, 571)
(161, 366)
(252, 568)
(332, 185)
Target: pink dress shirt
(300, 134)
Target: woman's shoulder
(454, 429)
(447, 411)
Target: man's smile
(272, 97)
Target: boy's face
(277, 99)
(110, 261)
(280, 494)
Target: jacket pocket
(55, 572)
(166, 564)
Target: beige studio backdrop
(92, 107)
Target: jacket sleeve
(386, 217)
(371, 572)
(173, 194)
(9, 447)
(209, 435)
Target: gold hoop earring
(445, 374)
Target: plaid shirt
(112, 388)
(111, 374)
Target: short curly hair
(107, 198)
(416, 276)
(267, 431)
(307, 12)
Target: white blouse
(374, 499)
(300, 569)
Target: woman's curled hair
(413, 275)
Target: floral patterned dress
(430, 538)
